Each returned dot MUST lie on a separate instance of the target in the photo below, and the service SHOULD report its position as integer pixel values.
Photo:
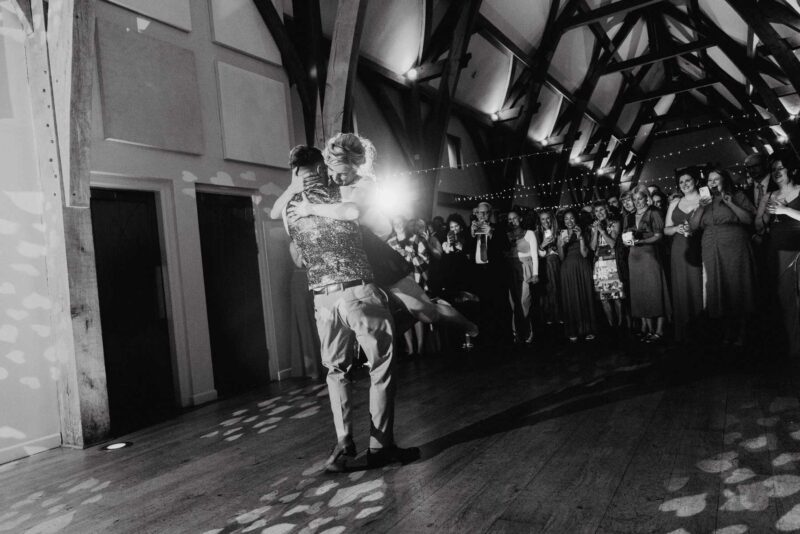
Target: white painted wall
(114, 163)
(664, 158)
(29, 420)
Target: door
(132, 308)
(233, 292)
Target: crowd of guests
(711, 257)
(644, 261)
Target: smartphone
(705, 192)
(627, 238)
(565, 235)
(548, 233)
(451, 238)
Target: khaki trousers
(358, 313)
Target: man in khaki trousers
(348, 306)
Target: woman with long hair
(607, 282)
(648, 284)
(577, 291)
(524, 263)
(779, 211)
(550, 275)
(685, 258)
(728, 261)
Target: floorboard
(608, 439)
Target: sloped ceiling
(394, 30)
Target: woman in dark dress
(550, 273)
(685, 257)
(728, 260)
(648, 284)
(780, 212)
(577, 288)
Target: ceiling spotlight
(412, 74)
(116, 446)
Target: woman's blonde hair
(351, 150)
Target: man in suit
(491, 276)
(759, 182)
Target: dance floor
(551, 439)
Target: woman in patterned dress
(607, 281)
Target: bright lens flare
(393, 197)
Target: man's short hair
(305, 156)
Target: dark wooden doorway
(133, 315)
(233, 292)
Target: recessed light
(116, 446)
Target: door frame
(170, 272)
(262, 233)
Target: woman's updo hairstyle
(350, 150)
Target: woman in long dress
(524, 263)
(607, 282)
(728, 261)
(550, 275)
(780, 212)
(648, 284)
(685, 257)
(577, 290)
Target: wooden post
(60, 67)
(337, 115)
(435, 132)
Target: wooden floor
(562, 440)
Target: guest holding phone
(648, 287)
(577, 290)
(685, 257)
(726, 218)
(547, 289)
(456, 262)
(779, 213)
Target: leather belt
(333, 288)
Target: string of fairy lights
(518, 191)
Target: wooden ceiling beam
(647, 59)
(291, 61)
(620, 7)
(738, 55)
(337, 114)
(596, 69)
(670, 89)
